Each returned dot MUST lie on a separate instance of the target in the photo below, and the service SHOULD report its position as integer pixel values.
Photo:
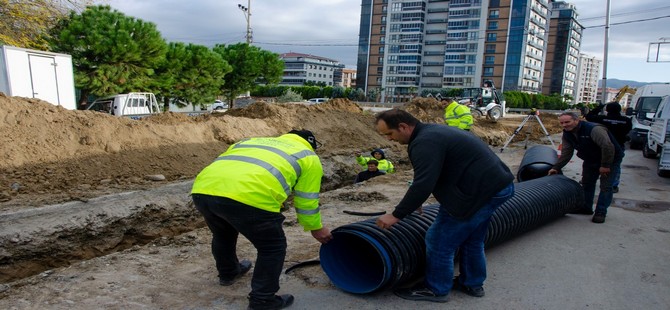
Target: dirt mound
(52, 155)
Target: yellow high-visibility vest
(458, 115)
(263, 172)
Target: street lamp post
(603, 99)
(247, 15)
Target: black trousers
(226, 219)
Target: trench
(35, 240)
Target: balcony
(433, 53)
(433, 63)
(439, 42)
(432, 74)
(437, 21)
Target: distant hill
(616, 83)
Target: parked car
(317, 100)
(219, 105)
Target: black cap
(307, 135)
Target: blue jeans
(226, 219)
(617, 172)
(447, 235)
(590, 175)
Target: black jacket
(455, 166)
(367, 174)
(617, 124)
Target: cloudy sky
(329, 28)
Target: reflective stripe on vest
(291, 159)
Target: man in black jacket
(618, 125)
(468, 180)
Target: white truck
(133, 105)
(37, 74)
(658, 139)
(642, 108)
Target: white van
(658, 142)
(317, 100)
(642, 108)
(130, 104)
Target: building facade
(587, 82)
(348, 78)
(411, 47)
(303, 68)
(565, 36)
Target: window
(490, 48)
(494, 13)
(493, 25)
(488, 71)
(491, 37)
(489, 60)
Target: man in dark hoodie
(618, 125)
(468, 180)
(384, 165)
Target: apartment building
(348, 78)
(301, 68)
(524, 45)
(565, 36)
(587, 83)
(412, 47)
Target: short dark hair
(613, 107)
(395, 116)
(374, 162)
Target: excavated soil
(82, 190)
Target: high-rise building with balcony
(587, 82)
(524, 45)
(565, 36)
(410, 47)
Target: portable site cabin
(37, 74)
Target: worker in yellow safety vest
(384, 165)
(242, 192)
(457, 115)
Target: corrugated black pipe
(363, 258)
(536, 163)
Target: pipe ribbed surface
(364, 258)
(536, 163)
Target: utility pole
(603, 99)
(247, 15)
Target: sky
(329, 28)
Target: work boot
(420, 292)
(245, 265)
(472, 291)
(278, 302)
(598, 218)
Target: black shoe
(472, 291)
(598, 218)
(615, 189)
(420, 292)
(278, 302)
(245, 265)
(581, 211)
